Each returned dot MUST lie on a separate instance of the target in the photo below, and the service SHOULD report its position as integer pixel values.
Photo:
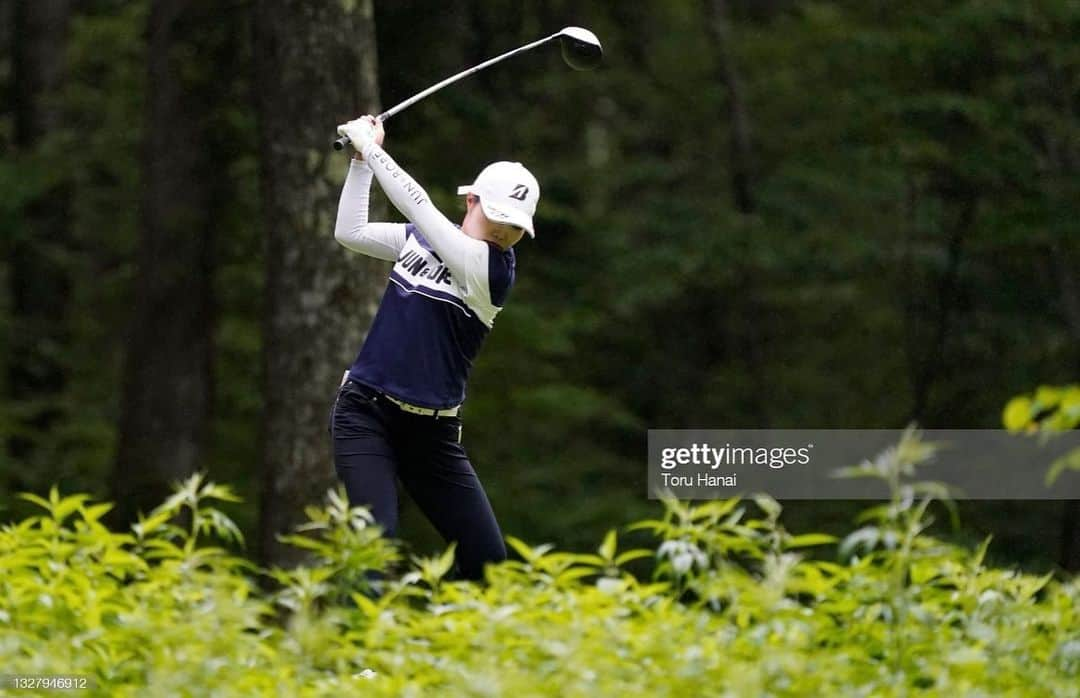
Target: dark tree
(741, 161)
(38, 281)
(167, 377)
(315, 68)
(740, 164)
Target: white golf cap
(508, 194)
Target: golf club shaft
(344, 140)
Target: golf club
(580, 49)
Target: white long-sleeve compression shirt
(379, 240)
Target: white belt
(426, 411)
(414, 409)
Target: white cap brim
(514, 217)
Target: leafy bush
(1050, 409)
(734, 607)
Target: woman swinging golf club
(397, 410)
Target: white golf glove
(359, 131)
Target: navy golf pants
(375, 442)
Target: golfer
(397, 412)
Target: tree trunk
(315, 68)
(741, 161)
(1065, 268)
(38, 44)
(38, 282)
(1062, 151)
(1069, 550)
(1064, 264)
(928, 363)
(167, 375)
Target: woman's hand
(380, 131)
(366, 128)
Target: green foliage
(733, 606)
(1047, 411)
(162, 606)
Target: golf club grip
(340, 143)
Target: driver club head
(580, 48)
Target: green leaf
(220, 492)
(145, 526)
(69, 505)
(767, 504)
(654, 525)
(40, 501)
(631, 555)
(1048, 397)
(528, 554)
(445, 561)
(607, 548)
(715, 510)
(306, 543)
(366, 605)
(865, 538)
(96, 511)
(572, 574)
(1017, 414)
(589, 559)
(1069, 461)
(809, 539)
(854, 471)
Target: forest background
(755, 214)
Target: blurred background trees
(165, 398)
(755, 214)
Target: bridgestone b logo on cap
(520, 192)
